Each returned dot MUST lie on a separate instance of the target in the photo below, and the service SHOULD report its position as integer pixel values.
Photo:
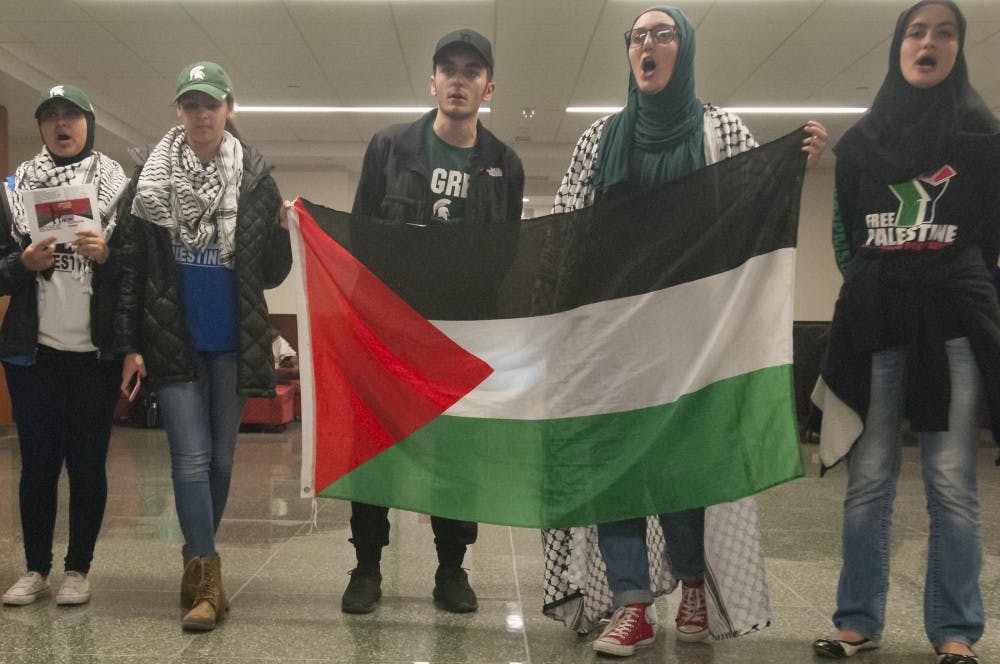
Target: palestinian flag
(623, 360)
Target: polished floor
(285, 566)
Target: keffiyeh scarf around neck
(176, 191)
(41, 172)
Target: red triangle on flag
(380, 370)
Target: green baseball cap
(70, 93)
(206, 77)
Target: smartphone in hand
(135, 390)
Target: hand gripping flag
(628, 359)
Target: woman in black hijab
(916, 330)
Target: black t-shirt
(954, 206)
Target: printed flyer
(61, 212)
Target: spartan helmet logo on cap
(197, 73)
(56, 91)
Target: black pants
(370, 532)
(63, 406)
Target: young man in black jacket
(444, 168)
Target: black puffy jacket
(151, 318)
(19, 331)
(394, 177)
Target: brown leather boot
(210, 604)
(190, 579)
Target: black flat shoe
(955, 658)
(838, 648)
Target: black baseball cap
(470, 38)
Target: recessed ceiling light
(337, 109)
(797, 110)
(747, 110)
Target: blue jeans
(623, 547)
(202, 419)
(953, 606)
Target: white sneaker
(75, 589)
(28, 588)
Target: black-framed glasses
(662, 34)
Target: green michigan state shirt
(449, 178)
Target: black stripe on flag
(708, 222)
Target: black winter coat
(151, 318)
(19, 331)
(394, 177)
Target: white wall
(817, 278)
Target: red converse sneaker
(628, 630)
(692, 614)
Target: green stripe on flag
(733, 438)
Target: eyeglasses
(662, 34)
(193, 106)
(63, 113)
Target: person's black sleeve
(371, 184)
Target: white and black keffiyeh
(176, 191)
(725, 136)
(576, 587)
(41, 172)
(575, 579)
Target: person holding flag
(663, 133)
(916, 329)
(57, 345)
(445, 168)
(204, 243)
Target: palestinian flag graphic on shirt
(912, 226)
(623, 360)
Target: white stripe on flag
(634, 352)
(306, 378)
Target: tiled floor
(285, 569)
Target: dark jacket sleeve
(844, 195)
(104, 302)
(278, 260)
(991, 239)
(132, 262)
(371, 184)
(515, 190)
(13, 274)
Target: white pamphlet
(61, 212)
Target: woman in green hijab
(664, 132)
